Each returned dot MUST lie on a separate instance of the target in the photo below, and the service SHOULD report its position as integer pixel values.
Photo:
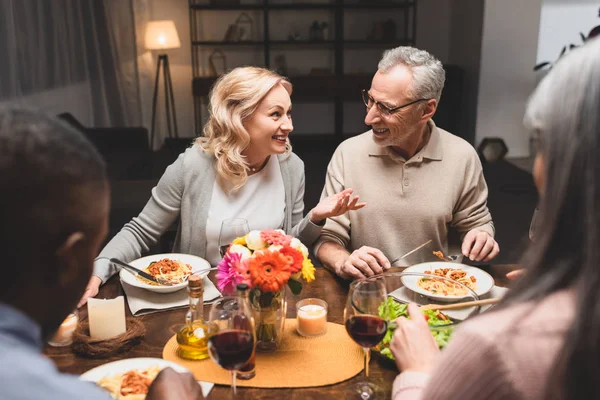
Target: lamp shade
(162, 35)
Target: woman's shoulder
(195, 155)
(291, 159)
(528, 318)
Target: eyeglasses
(383, 110)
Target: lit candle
(311, 317)
(106, 318)
(64, 334)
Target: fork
(441, 255)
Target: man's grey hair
(427, 71)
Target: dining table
(161, 326)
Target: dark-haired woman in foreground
(543, 341)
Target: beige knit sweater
(408, 201)
(506, 354)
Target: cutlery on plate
(452, 306)
(134, 271)
(410, 252)
(465, 304)
(441, 255)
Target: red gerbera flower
(274, 237)
(270, 270)
(295, 258)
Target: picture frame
(217, 63)
(245, 28)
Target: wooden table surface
(163, 325)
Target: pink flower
(243, 272)
(227, 274)
(274, 237)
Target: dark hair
(564, 113)
(44, 164)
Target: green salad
(442, 327)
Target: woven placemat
(299, 362)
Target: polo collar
(431, 151)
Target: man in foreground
(417, 179)
(54, 212)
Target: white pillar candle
(311, 317)
(106, 318)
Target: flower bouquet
(266, 261)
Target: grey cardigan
(185, 191)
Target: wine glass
(231, 228)
(365, 326)
(234, 340)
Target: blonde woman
(242, 167)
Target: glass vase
(269, 311)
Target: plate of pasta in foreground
(173, 267)
(474, 278)
(129, 379)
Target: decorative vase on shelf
(269, 318)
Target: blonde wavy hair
(234, 97)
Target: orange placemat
(299, 362)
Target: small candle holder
(311, 317)
(64, 334)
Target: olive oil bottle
(193, 337)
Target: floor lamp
(162, 35)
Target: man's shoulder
(356, 144)
(455, 142)
(29, 375)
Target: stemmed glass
(231, 228)
(234, 341)
(365, 326)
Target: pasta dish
(167, 271)
(447, 287)
(130, 385)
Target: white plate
(197, 264)
(121, 366)
(484, 283)
(118, 367)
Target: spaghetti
(166, 270)
(447, 287)
(130, 385)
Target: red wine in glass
(366, 330)
(231, 349)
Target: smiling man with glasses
(418, 180)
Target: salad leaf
(442, 327)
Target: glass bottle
(193, 337)
(248, 371)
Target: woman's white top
(261, 201)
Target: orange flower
(274, 237)
(270, 270)
(295, 258)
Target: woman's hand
(91, 290)
(515, 274)
(413, 345)
(335, 205)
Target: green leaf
(295, 286)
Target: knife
(134, 271)
(410, 252)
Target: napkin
(206, 387)
(142, 301)
(405, 295)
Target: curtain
(78, 56)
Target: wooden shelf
(305, 6)
(309, 87)
(338, 87)
(217, 43)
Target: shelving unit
(339, 87)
